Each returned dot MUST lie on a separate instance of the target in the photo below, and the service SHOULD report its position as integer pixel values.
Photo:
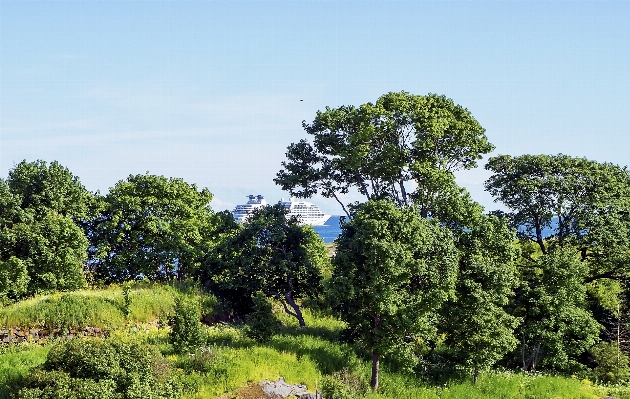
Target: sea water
(330, 230)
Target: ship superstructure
(306, 212)
(242, 212)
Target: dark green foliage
(588, 201)
(41, 208)
(262, 323)
(41, 188)
(557, 326)
(612, 363)
(151, 226)
(478, 331)
(186, 329)
(392, 271)
(271, 254)
(97, 368)
(576, 214)
(14, 278)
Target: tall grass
(15, 362)
(79, 309)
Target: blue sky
(210, 91)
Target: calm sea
(329, 231)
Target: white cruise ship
(242, 212)
(306, 212)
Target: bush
(98, 368)
(343, 385)
(186, 330)
(261, 323)
(612, 364)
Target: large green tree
(573, 220)
(270, 254)
(41, 208)
(42, 187)
(404, 148)
(477, 329)
(392, 271)
(151, 226)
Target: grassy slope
(232, 361)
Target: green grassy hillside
(230, 361)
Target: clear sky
(210, 91)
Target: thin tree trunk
(375, 357)
(523, 354)
(375, 367)
(403, 192)
(539, 238)
(342, 206)
(296, 308)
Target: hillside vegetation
(228, 360)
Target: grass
(16, 361)
(103, 308)
(231, 361)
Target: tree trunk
(375, 366)
(476, 371)
(539, 237)
(296, 308)
(375, 357)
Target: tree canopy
(151, 226)
(478, 330)
(568, 201)
(270, 254)
(404, 148)
(40, 206)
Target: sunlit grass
(232, 361)
(94, 308)
(16, 361)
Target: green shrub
(612, 364)
(343, 385)
(186, 329)
(100, 368)
(261, 323)
(203, 360)
(58, 384)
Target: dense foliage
(42, 247)
(404, 147)
(151, 226)
(392, 271)
(269, 254)
(96, 368)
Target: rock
(281, 389)
(309, 395)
